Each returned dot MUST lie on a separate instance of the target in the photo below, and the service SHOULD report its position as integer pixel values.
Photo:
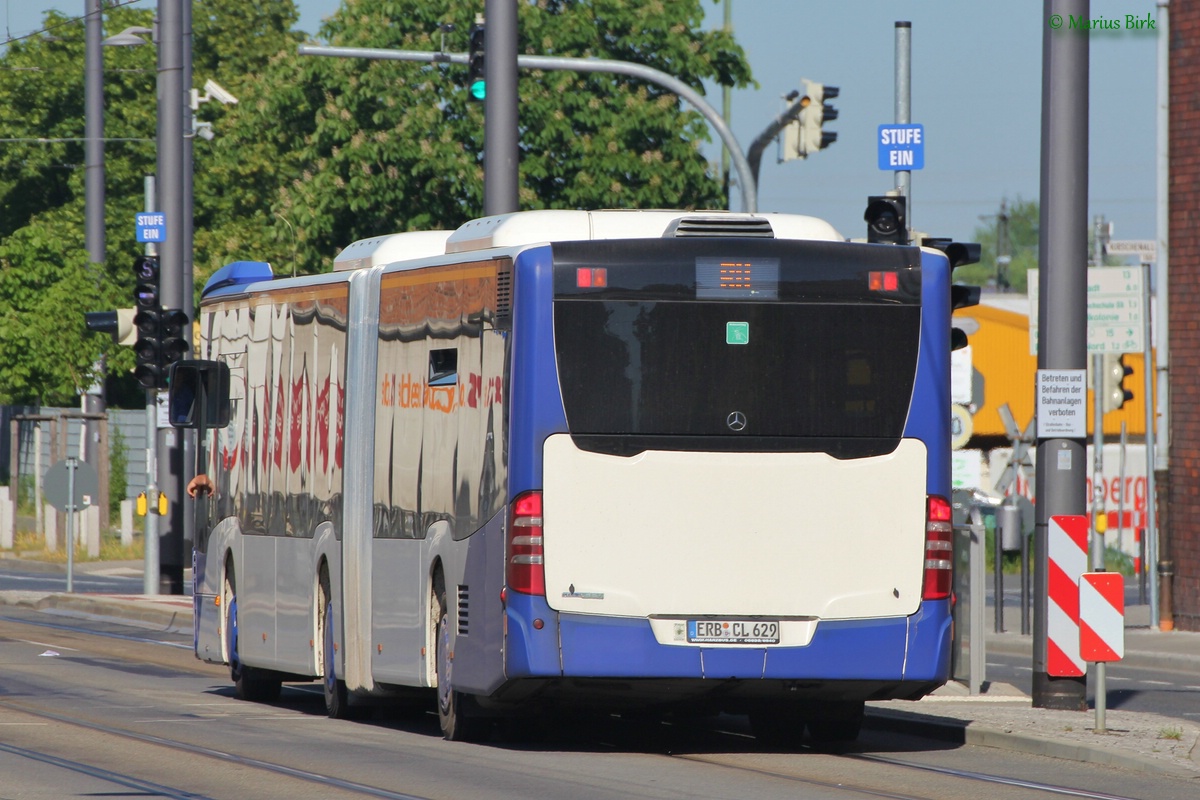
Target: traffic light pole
(649, 74)
(1062, 303)
(171, 112)
(500, 146)
(150, 577)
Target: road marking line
(1157, 683)
(44, 644)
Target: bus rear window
(815, 370)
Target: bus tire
(337, 699)
(249, 683)
(458, 713)
(836, 723)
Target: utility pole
(93, 114)
(501, 177)
(1003, 248)
(1062, 304)
(170, 196)
(727, 114)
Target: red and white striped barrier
(1102, 616)
(1067, 550)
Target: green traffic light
(478, 90)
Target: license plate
(733, 631)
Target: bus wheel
(337, 699)
(836, 723)
(457, 712)
(249, 683)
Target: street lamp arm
(770, 132)
(670, 82)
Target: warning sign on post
(1062, 403)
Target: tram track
(722, 743)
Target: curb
(173, 616)
(958, 731)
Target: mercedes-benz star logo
(736, 421)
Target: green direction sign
(737, 333)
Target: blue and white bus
(645, 460)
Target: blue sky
(976, 87)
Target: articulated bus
(612, 460)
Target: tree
(367, 147)
(320, 152)
(46, 355)
(1021, 246)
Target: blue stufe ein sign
(151, 226)
(901, 147)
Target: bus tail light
(525, 572)
(939, 549)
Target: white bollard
(50, 520)
(7, 520)
(91, 519)
(126, 523)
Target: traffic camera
(476, 79)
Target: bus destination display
(729, 278)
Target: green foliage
(1023, 218)
(322, 151)
(118, 463)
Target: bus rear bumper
(888, 658)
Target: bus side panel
(479, 646)
(536, 407)
(929, 413)
(929, 643)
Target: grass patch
(31, 545)
(1170, 733)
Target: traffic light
(162, 334)
(145, 287)
(886, 221)
(805, 136)
(1112, 383)
(117, 324)
(476, 80)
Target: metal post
(1062, 303)
(1121, 486)
(1097, 548)
(501, 180)
(904, 104)
(71, 464)
(1024, 582)
(1160, 618)
(150, 578)
(1157, 534)
(1101, 695)
(187, 292)
(170, 191)
(998, 577)
(93, 123)
(727, 115)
